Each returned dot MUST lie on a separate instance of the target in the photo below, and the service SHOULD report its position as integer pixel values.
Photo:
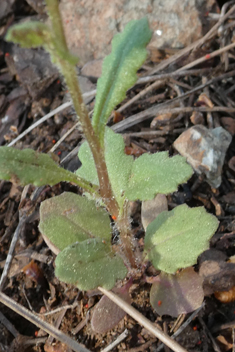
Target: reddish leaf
(107, 314)
(177, 294)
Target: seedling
(78, 228)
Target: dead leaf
(204, 100)
(161, 119)
(224, 344)
(197, 118)
(34, 272)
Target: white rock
(205, 150)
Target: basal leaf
(71, 218)
(27, 166)
(118, 164)
(29, 34)
(90, 264)
(176, 238)
(156, 173)
(181, 293)
(119, 70)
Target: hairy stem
(126, 237)
(57, 26)
(69, 72)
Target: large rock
(90, 25)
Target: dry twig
(57, 334)
(120, 338)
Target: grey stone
(205, 150)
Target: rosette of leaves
(76, 227)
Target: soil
(33, 284)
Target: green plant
(79, 227)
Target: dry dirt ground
(29, 88)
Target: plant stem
(69, 72)
(57, 26)
(126, 237)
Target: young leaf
(119, 70)
(33, 34)
(176, 238)
(177, 294)
(29, 34)
(70, 218)
(157, 173)
(89, 264)
(27, 166)
(118, 164)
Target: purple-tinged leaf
(177, 294)
(107, 314)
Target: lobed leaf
(136, 179)
(27, 166)
(90, 264)
(70, 218)
(176, 238)
(156, 173)
(29, 34)
(177, 294)
(118, 164)
(119, 70)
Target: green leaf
(180, 293)
(29, 34)
(88, 169)
(27, 166)
(71, 218)
(119, 70)
(136, 179)
(176, 238)
(33, 34)
(89, 264)
(157, 173)
(118, 164)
